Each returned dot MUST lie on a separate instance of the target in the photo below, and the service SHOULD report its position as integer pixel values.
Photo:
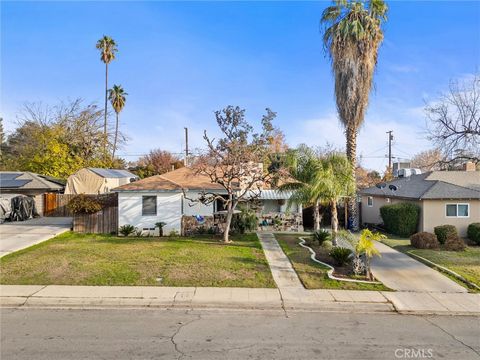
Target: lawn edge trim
(330, 272)
(443, 269)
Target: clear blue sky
(180, 61)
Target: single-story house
(97, 180)
(161, 198)
(444, 197)
(30, 184)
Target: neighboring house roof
(176, 180)
(429, 186)
(113, 173)
(26, 181)
(468, 179)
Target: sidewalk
(62, 296)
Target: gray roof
(113, 173)
(27, 181)
(422, 187)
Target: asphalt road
(174, 334)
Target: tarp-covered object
(23, 208)
(5, 209)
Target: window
(370, 201)
(457, 210)
(149, 205)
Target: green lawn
(89, 259)
(313, 275)
(465, 263)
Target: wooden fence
(55, 205)
(102, 222)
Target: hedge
(400, 219)
(443, 232)
(473, 232)
(424, 240)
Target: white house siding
(191, 208)
(169, 210)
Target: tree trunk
(228, 222)
(334, 222)
(353, 220)
(367, 265)
(115, 140)
(105, 114)
(316, 217)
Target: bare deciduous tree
(234, 161)
(454, 121)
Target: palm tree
(367, 247)
(303, 167)
(117, 99)
(352, 37)
(108, 48)
(334, 181)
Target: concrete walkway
(322, 300)
(18, 235)
(402, 273)
(282, 270)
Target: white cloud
(407, 125)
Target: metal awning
(270, 195)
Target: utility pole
(390, 138)
(185, 161)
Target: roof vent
(393, 187)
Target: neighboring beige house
(444, 197)
(97, 180)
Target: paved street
(402, 273)
(18, 235)
(174, 334)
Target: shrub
(245, 221)
(473, 232)
(83, 204)
(340, 255)
(443, 232)
(321, 236)
(424, 240)
(327, 245)
(127, 230)
(173, 233)
(454, 243)
(400, 219)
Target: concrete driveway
(18, 235)
(402, 273)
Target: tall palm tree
(108, 48)
(352, 36)
(303, 168)
(117, 99)
(334, 181)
